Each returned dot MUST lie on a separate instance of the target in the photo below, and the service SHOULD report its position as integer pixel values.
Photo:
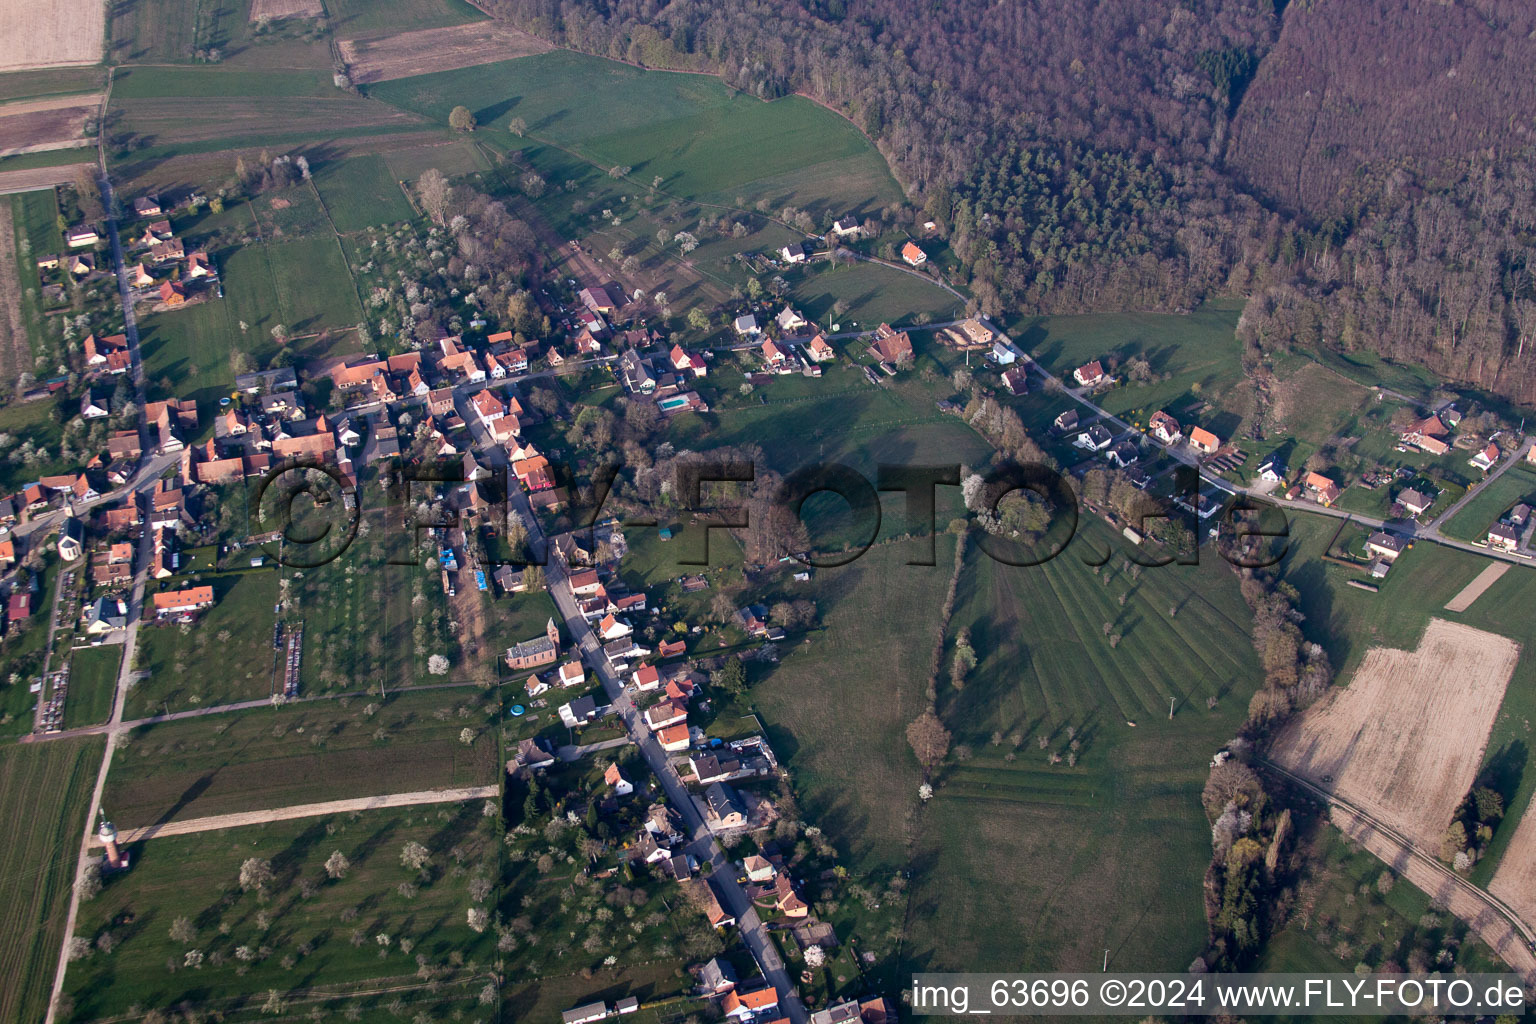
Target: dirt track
(367, 803)
(1440, 884)
(436, 49)
(1404, 740)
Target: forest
(1357, 172)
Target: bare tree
(415, 856)
(256, 873)
(434, 192)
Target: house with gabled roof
(1321, 489)
(1487, 458)
(1164, 428)
(1414, 501)
(1089, 374)
(912, 255)
(891, 345)
(1202, 440)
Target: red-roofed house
(1089, 374)
(912, 254)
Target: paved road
(135, 614)
(1398, 527)
(1472, 492)
(1493, 920)
(702, 843)
(315, 810)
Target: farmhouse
(579, 711)
(1089, 374)
(598, 299)
(147, 206)
(1321, 489)
(673, 738)
(742, 1006)
(1385, 545)
(724, 808)
(789, 320)
(891, 345)
(912, 255)
(969, 334)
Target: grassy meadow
(303, 753)
(705, 141)
(1045, 865)
(313, 938)
(37, 864)
(92, 683)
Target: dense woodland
(1360, 172)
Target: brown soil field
(1514, 881)
(277, 10)
(1403, 741)
(436, 49)
(27, 179)
(1474, 590)
(1441, 884)
(51, 33)
(15, 352)
(56, 123)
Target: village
(622, 740)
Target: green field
(38, 863)
(1046, 865)
(362, 192)
(842, 417)
(161, 31)
(368, 621)
(29, 85)
(705, 141)
(300, 934)
(226, 656)
(302, 283)
(92, 683)
(872, 294)
(1516, 485)
(301, 753)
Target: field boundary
(243, 818)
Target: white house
(746, 326)
(794, 253)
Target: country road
(315, 810)
(1493, 921)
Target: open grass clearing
(92, 685)
(1045, 865)
(361, 192)
(303, 753)
(26, 85)
(705, 141)
(37, 864)
(183, 31)
(297, 943)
